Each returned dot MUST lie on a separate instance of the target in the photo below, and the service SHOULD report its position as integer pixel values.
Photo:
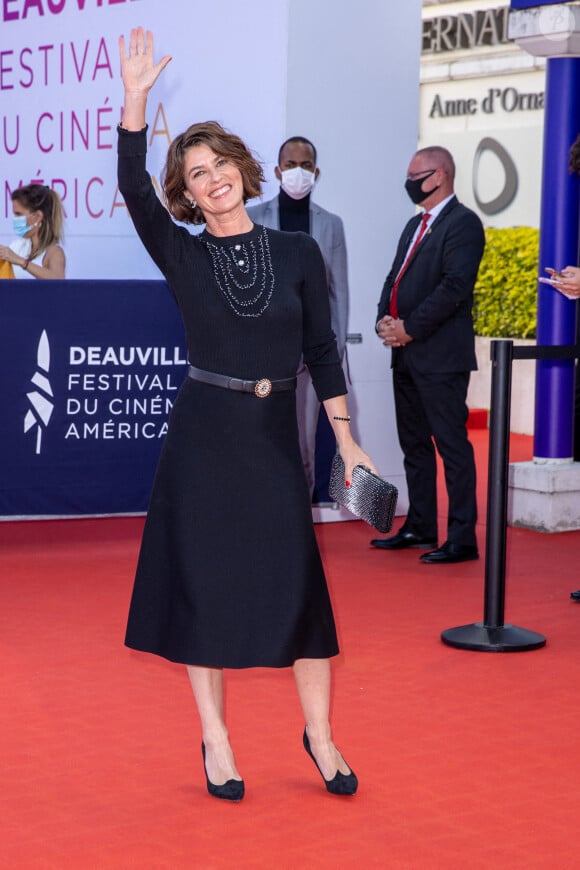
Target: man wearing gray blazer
(293, 210)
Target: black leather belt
(260, 388)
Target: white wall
(353, 72)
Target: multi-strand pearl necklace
(244, 274)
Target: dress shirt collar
(437, 209)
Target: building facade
(483, 98)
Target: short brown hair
(224, 144)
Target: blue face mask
(19, 225)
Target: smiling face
(214, 182)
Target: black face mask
(414, 187)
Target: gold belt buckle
(263, 388)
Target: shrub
(505, 298)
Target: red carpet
(466, 760)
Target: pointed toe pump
(341, 783)
(232, 790)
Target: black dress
(229, 573)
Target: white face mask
(297, 182)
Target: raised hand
(139, 74)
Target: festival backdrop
(88, 376)
(89, 369)
(61, 100)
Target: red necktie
(393, 310)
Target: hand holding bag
(368, 497)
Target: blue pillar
(559, 234)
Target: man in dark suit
(424, 315)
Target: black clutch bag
(368, 497)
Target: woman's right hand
(8, 254)
(138, 70)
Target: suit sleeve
(462, 251)
(406, 236)
(383, 307)
(338, 285)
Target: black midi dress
(229, 572)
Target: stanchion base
(487, 638)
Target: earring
(193, 203)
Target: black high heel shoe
(341, 783)
(232, 790)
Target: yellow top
(6, 270)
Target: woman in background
(38, 223)
(567, 281)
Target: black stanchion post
(497, 481)
(492, 634)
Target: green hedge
(505, 296)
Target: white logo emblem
(41, 406)
(556, 22)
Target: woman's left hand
(352, 455)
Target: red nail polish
(348, 482)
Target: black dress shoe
(402, 540)
(575, 596)
(449, 552)
(232, 790)
(341, 783)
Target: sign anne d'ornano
(496, 100)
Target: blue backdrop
(89, 371)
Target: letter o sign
(510, 187)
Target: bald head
(440, 158)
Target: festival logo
(41, 399)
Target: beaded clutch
(368, 497)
